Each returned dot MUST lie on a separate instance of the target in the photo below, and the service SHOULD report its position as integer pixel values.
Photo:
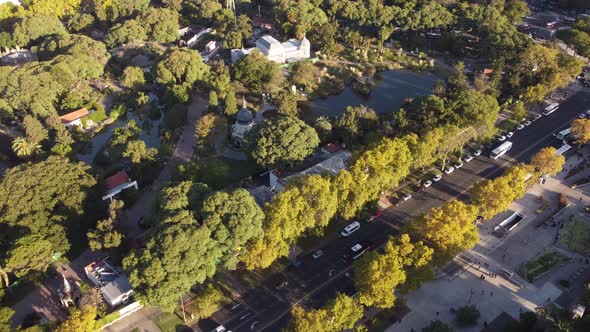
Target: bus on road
(550, 109)
(501, 150)
(564, 133)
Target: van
(353, 227)
(550, 109)
(507, 273)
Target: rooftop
(331, 148)
(75, 115)
(116, 288)
(116, 180)
(331, 165)
(262, 195)
(102, 271)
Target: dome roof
(244, 116)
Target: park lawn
(575, 236)
(507, 124)
(167, 322)
(219, 173)
(113, 316)
(533, 269)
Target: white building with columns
(290, 51)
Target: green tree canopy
(34, 130)
(55, 190)
(29, 253)
(176, 258)
(162, 24)
(258, 73)
(32, 29)
(283, 142)
(129, 31)
(300, 16)
(105, 235)
(137, 151)
(234, 220)
(133, 77)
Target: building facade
(290, 51)
(244, 123)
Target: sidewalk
(494, 295)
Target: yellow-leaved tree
(451, 228)
(377, 275)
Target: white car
(449, 169)
(477, 152)
(588, 112)
(502, 138)
(538, 116)
(458, 165)
(509, 134)
(582, 116)
(520, 127)
(221, 328)
(406, 197)
(427, 183)
(437, 178)
(468, 158)
(317, 254)
(353, 227)
(527, 123)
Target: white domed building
(244, 123)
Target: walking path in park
(44, 298)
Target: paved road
(314, 282)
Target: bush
(117, 111)
(467, 315)
(208, 302)
(437, 326)
(532, 269)
(97, 116)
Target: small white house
(113, 283)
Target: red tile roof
(75, 115)
(116, 180)
(332, 147)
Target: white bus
(501, 150)
(565, 148)
(564, 133)
(550, 109)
